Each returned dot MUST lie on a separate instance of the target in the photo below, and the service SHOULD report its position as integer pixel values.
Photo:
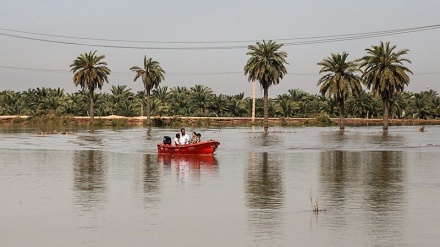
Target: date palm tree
(286, 105)
(340, 80)
(152, 75)
(398, 104)
(218, 105)
(180, 104)
(361, 105)
(119, 96)
(421, 105)
(236, 105)
(297, 95)
(161, 97)
(200, 97)
(11, 103)
(266, 65)
(90, 72)
(384, 73)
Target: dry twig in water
(315, 205)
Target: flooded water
(111, 188)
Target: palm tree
(286, 105)
(152, 75)
(266, 65)
(218, 105)
(298, 95)
(319, 104)
(421, 105)
(126, 108)
(398, 104)
(90, 72)
(180, 101)
(161, 97)
(47, 100)
(118, 97)
(340, 80)
(436, 107)
(361, 105)
(385, 74)
(201, 97)
(80, 100)
(235, 105)
(11, 103)
(139, 101)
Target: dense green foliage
(201, 101)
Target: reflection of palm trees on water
(264, 195)
(385, 194)
(388, 139)
(90, 141)
(264, 187)
(149, 133)
(346, 140)
(151, 176)
(151, 181)
(366, 185)
(89, 177)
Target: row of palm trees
(90, 72)
(381, 71)
(200, 101)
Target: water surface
(110, 188)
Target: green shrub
(119, 122)
(323, 120)
(18, 120)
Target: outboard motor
(167, 140)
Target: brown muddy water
(110, 188)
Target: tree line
(343, 92)
(201, 101)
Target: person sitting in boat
(176, 140)
(199, 137)
(193, 138)
(184, 138)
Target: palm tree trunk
(341, 114)
(385, 115)
(253, 101)
(148, 108)
(266, 109)
(92, 107)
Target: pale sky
(29, 59)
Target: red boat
(204, 147)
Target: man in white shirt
(184, 138)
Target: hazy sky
(29, 60)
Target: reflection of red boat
(205, 147)
(195, 161)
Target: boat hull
(206, 147)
